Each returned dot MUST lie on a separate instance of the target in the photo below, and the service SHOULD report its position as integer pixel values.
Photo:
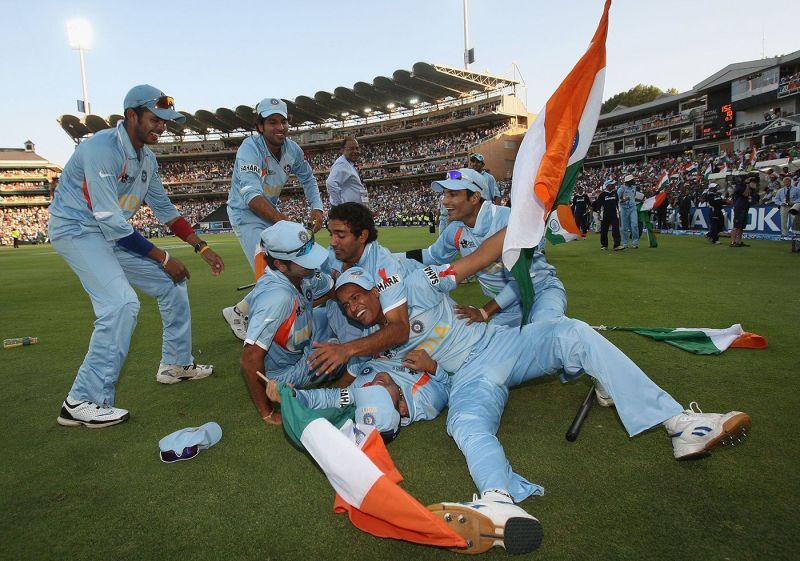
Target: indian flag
(753, 153)
(690, 167)
(658, 199)
(551, 155)
(699, 340)
(708, 172)
(360, 470)
(561, 226)
(724, 167)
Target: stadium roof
(424, 84)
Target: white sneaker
(695, 433)
(485, 523)
(90, 414)
(174, 373)
(604, 398)
(236, 321)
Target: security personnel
(580, 206)
(716, 219)
(102, 186)
(608, 201)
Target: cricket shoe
(90, 414)
(695, 433)
(174, 373)
(237, 321)
(604, 398)
(486, 523)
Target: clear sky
(210, 54)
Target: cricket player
(473, 219)
(477, 163)
(263, 165)
(103, 184)
(283, 321)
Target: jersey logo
(250, 167)
(387, 282)
(366, 371)
(287, 168)
(464, 244)
(144, 176)
(417, 326)
(433, 278)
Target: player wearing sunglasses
(104, 183)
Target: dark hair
(271, 262)
(345, 139)
(138, 110)
(358, 218)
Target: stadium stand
(25, 182)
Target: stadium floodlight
(413, 101)
(390, 106)
(345, 114)
(368, 110)
(80, 37)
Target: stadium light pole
(466, 36)
(80, 38)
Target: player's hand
(419, 360)
(177, 270)
(213, 260)
(273, 418)
(272, 391)
(316, 219)
(328, 357)
(469, 313)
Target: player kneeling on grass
(283, 322)
(488, 360)
(102, 186)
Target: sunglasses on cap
(298, 251)
(161, 102)
(187, 453)
(457, 175)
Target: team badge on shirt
(144, 176)
(417, 326)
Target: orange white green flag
(360, 470)
(551, 156)
(661, 194)
(561, 226)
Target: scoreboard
(719, 118)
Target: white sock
(243, 307)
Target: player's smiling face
(274, 129)
(145, 129)
(360, 305)
(462, 205)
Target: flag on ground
(551, 155)
(561, 226)
(699, 340)
(362, 473)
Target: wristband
(166, 259)
(205, 247)
(199, 245)
(136, 243)
(484, 314)
(181, 228)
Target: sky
(207, 56)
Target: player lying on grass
(486, 361)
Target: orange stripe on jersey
(259, 264)
(86, 194)
(457, 239)
(285, 330)
(382, 273)
(424, 379)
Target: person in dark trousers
(715, 202)
(580, 204)
(684, 206)
(608, 201)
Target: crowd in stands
(23, 186)
(193, 211)
(195, 170)
(29, 221)
(647, 123)
(789, 83)
(23, 172)
(23, 199)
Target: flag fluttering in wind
(551, 155)
(658, 199)
(561, 226)
(753, 153)
(708, 172)
(699, 340)
(362, 473)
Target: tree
(635, 96)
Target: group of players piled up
(381, 326)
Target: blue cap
(270, 106)
(476, 156)
(174, 446)
(291, 241)
(463, 179)
(374, 408)
(145, 95)
(355, 275)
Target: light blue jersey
(426, 394)
(103, 185)
(282, 322)
(493, 191)
(496, 282)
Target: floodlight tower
(80, 38)
(469, 54)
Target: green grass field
(74, 493)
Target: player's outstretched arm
(252, 364)
(184, 231)
(487, 253)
